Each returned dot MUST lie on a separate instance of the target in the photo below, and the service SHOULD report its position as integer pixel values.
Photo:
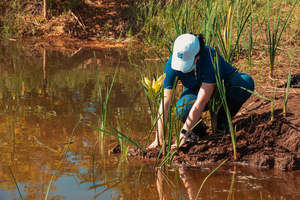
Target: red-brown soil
(261, 143)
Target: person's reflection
(188, 183)
(159, 184)
(190, 188)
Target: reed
(117, 134)
(103, 102)
(211, 173)
(222, 92)
(250, 35)
(224, 29)
(287, 89)
(123, 145)
(64, 156)
(15, 181)
(272, 105)
(274, 33)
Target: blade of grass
(287, 89)
(222, 92)
(118, 135)
(64, 153)
(14, 179)
(212, 172)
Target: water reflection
(45, 93)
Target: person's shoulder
(209, 49)
(168, 68)
(168, 63)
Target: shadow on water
(44, 93)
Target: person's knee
(180, 113)
(248, 84)
(241, 87)
(183, 106)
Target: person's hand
(155, 143)
(182, 139)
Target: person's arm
(161, 112)
(159, 133)
(203, 96)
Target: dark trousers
(235, 96)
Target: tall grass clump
(274, 32)
(224, 20)
(103, 102)
(224, 42)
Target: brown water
(44, 95)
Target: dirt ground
(261, 143)
(93, 24)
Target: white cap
(185, 48)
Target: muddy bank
(261, 143)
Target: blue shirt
(204, 72)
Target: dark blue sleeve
(208, 73)
(209, 68)
(170, 75)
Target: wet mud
(261, 142)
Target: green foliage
(274, 33)
(12, 19)
(214, 19)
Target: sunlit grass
(274, 32)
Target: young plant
(222, 92)
(124, 147)
(273, 35)
(103, 102)
(154, 93)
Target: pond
(48, 102)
